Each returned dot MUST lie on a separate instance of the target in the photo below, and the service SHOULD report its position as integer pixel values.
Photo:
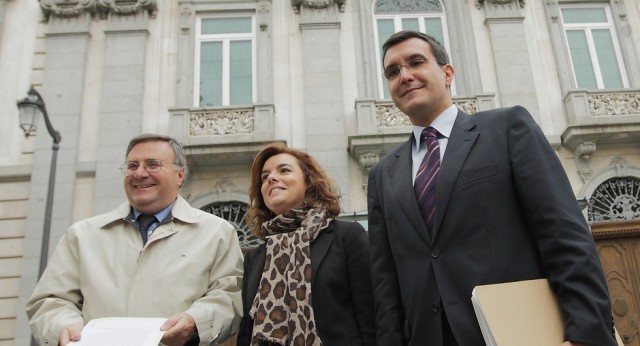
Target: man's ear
(448, 74)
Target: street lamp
(29, 107)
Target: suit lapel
(400, 176)
(460, 143)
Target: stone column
(121, 106)
(511, 55)
(62, 88)
(323, 94)
(2, 14)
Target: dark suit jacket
(341, 289)
(505, 211)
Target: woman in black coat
(310, 282)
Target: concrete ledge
(16, 173)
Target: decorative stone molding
(68, 8)
(185, 18)
(618, 103)
(367, 161)
(96, 8)
(317, 4)
(582, 155)
(554, 10)
(603, 116)
(264, 9)
(480, 3)
(220, 122)
(407, 6)
(129, 7)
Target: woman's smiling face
(283, 183)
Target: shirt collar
(443, 123)
(161, 215)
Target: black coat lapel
(400, 176)
(460, 143)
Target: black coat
(341, 289)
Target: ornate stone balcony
(223, 135)
(381, 127)
(611, 116)
(601, 117)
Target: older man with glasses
(154, 256)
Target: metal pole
(44, 250)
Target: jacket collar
(181, 211)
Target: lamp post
(29, 108)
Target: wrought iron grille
(616, 199)
(234, 212)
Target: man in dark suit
(504, 211)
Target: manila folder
(518, 313)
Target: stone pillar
(62, 88)
(121, 106)
(2, 15)
(511, 55)
(323, 95)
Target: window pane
(226, 25)
(608, 63)
(385, 29)
(410, 24)
(584, 15)
(210, 74)
(434, 28)
(241, 74)
(582, 63)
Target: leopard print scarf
(282, 309)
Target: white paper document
(121, 331)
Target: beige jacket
(192, 264)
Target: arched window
(392, 16)
(234, 213)
(616, 199)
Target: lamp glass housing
(28, 114)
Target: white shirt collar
(443, 123)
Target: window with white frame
(593, 46)
(225, 66)
(392, 16)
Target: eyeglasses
(394, 71)
(151, 166)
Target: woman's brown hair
(321, 190)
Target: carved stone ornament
(480, 3)
(67, 8)
(130, 7)
(606, 104)
(407, 6)
(390, 116)
(583, 154)
(220, 122)
(317, 4)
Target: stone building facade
(228, 76)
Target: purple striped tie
(427, 176)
